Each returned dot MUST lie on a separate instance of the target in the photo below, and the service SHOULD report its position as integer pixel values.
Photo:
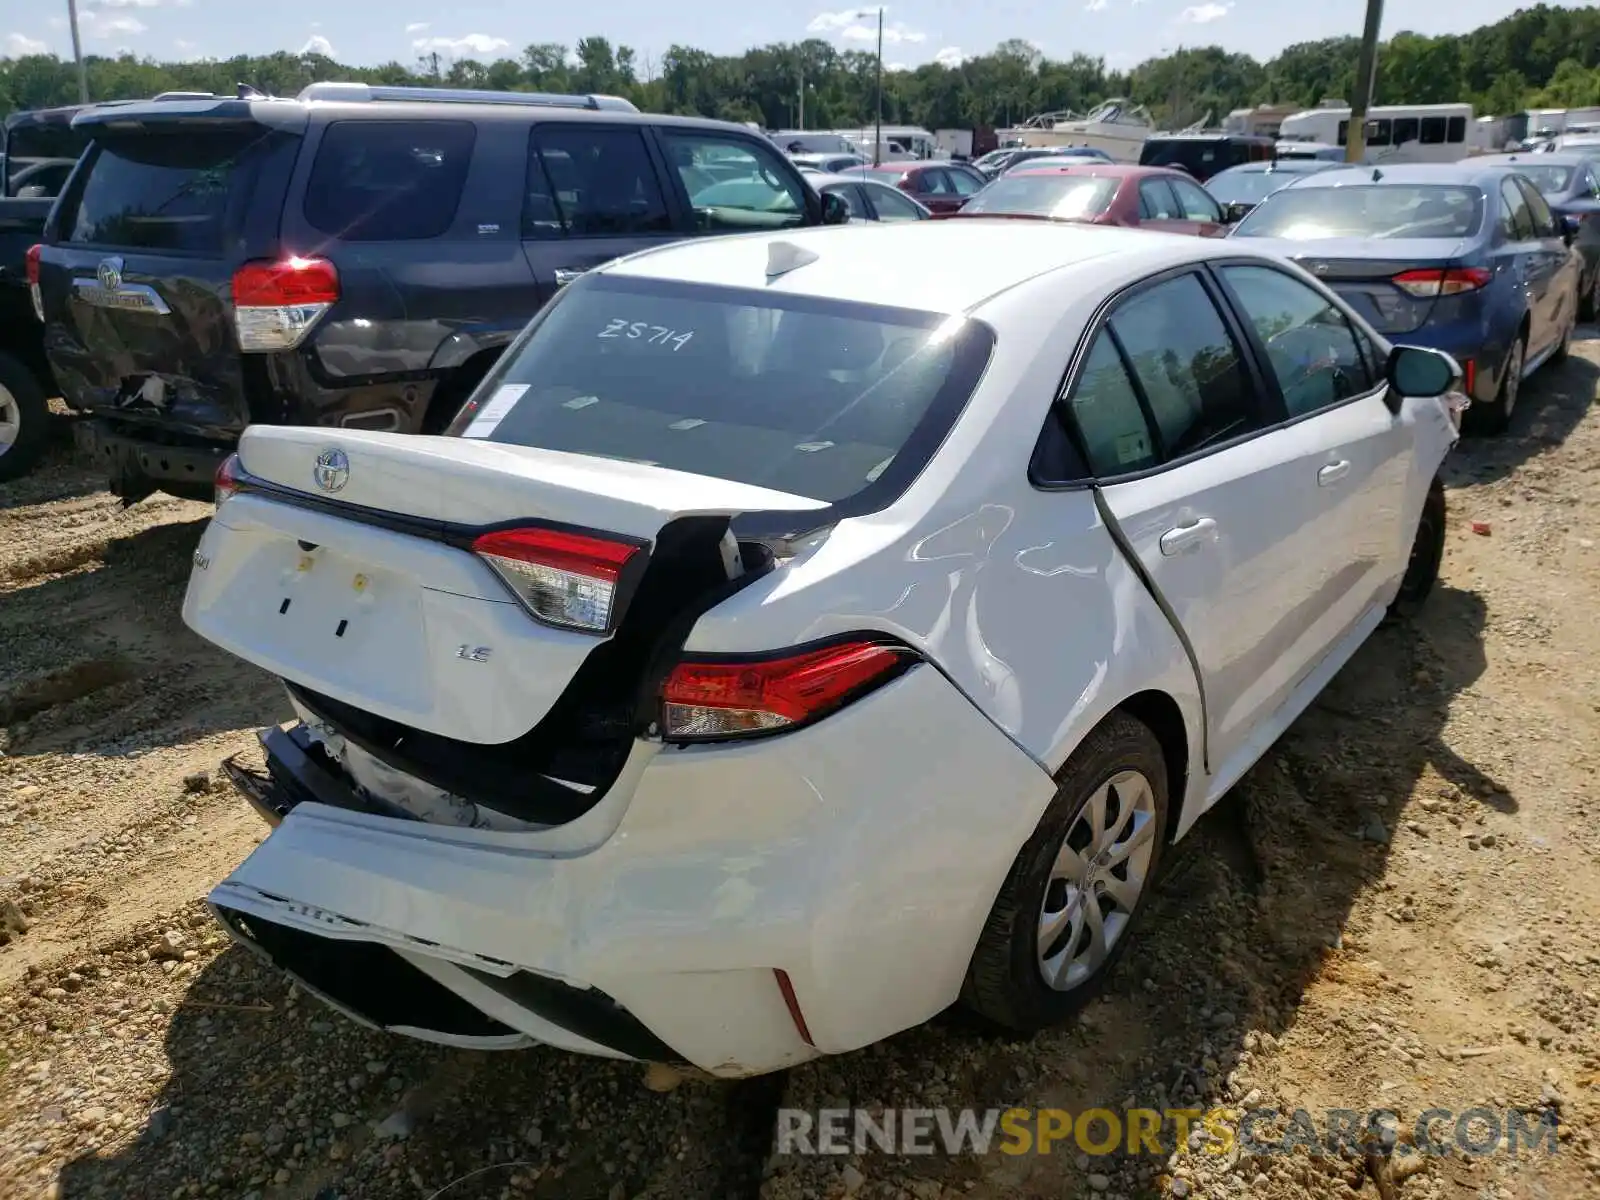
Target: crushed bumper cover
(860, 857)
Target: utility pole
(1355, 142)
(802, 121)
(77, 52)
(877, 133)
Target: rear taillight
(276, 303)
(32, 259)
(227, 481)
(572, 580)
(712, 698)
(1433, 281)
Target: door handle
(1332, 473)
(565, 275)
(1176, 541)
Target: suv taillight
(710, 698)
(571, 580)
(276, 303)
(227, 481)
(32, 259)
(1433, 281)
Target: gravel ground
(1399, 907)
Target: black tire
(1427, 552)
(1005, 982)
(1589, 304)
(1493, 417)
(21, 400)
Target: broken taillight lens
(712, 698)
(227, 480)
(277, 302)
(572, 580)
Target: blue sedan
(1241, 188)
(1570, 183)
(1462, 258)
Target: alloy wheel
(1097, 880)
(10, 420)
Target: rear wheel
(24, 419)
(1496, 415)
(1069, 906)
(1589, 306)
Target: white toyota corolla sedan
(797, 634)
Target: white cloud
(128, 4)
(477, 45)
(104, 28)
(1096, 6)
(893, 34)
(895, 66)
(18, 44)
(1204, 14)
(832, 22)
(950, 56)
(417, 27)
(317, 44)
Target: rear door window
(892, 205)
(1156, 201)
(964, 184)
(585, 181)
(1544, 221)
(388, 181)
(1515, 218)
(1196, 203)
(734, 185)
(166, 193)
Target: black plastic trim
(587, 1012)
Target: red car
(941, 187)
(1104, 194)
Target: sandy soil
(1398, 908)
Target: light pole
(877, 132)
(77, 52)
(1355, 149)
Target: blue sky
(365, 31)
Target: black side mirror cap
(834, 209)
(1419, 373)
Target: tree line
(1538, 57)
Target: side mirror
(834, 209)
(1418, 373)
(1236, 212)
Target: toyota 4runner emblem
(332, 471)
(109, 273)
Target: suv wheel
(24, 419)
(1069, 906)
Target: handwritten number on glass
(652, 335)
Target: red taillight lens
(275, 303)
(711, 698)
(566, 579)
(227, 480)
(1433, 281)
(32, 260)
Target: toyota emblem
(332, 471)
(109, 273)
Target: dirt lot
(1399, 908)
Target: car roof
(1285, 166)
(1108, 170)
(1555, 158)
(934, 266)
(1462, 174)
(822, 179)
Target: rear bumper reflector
(786, 986)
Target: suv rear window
(817, 398)
(389, 181)
(166, 192)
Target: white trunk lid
(398, 624)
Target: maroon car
(941, 187)
(1104, 194)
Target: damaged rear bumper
(858, 857)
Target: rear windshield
(167, 193)
(1395, 210)
(817, 398)
(1551, 180)
(1064, 197)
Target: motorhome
(802, 141)
(1396, 133)
(898, 142)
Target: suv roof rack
(367, 93)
